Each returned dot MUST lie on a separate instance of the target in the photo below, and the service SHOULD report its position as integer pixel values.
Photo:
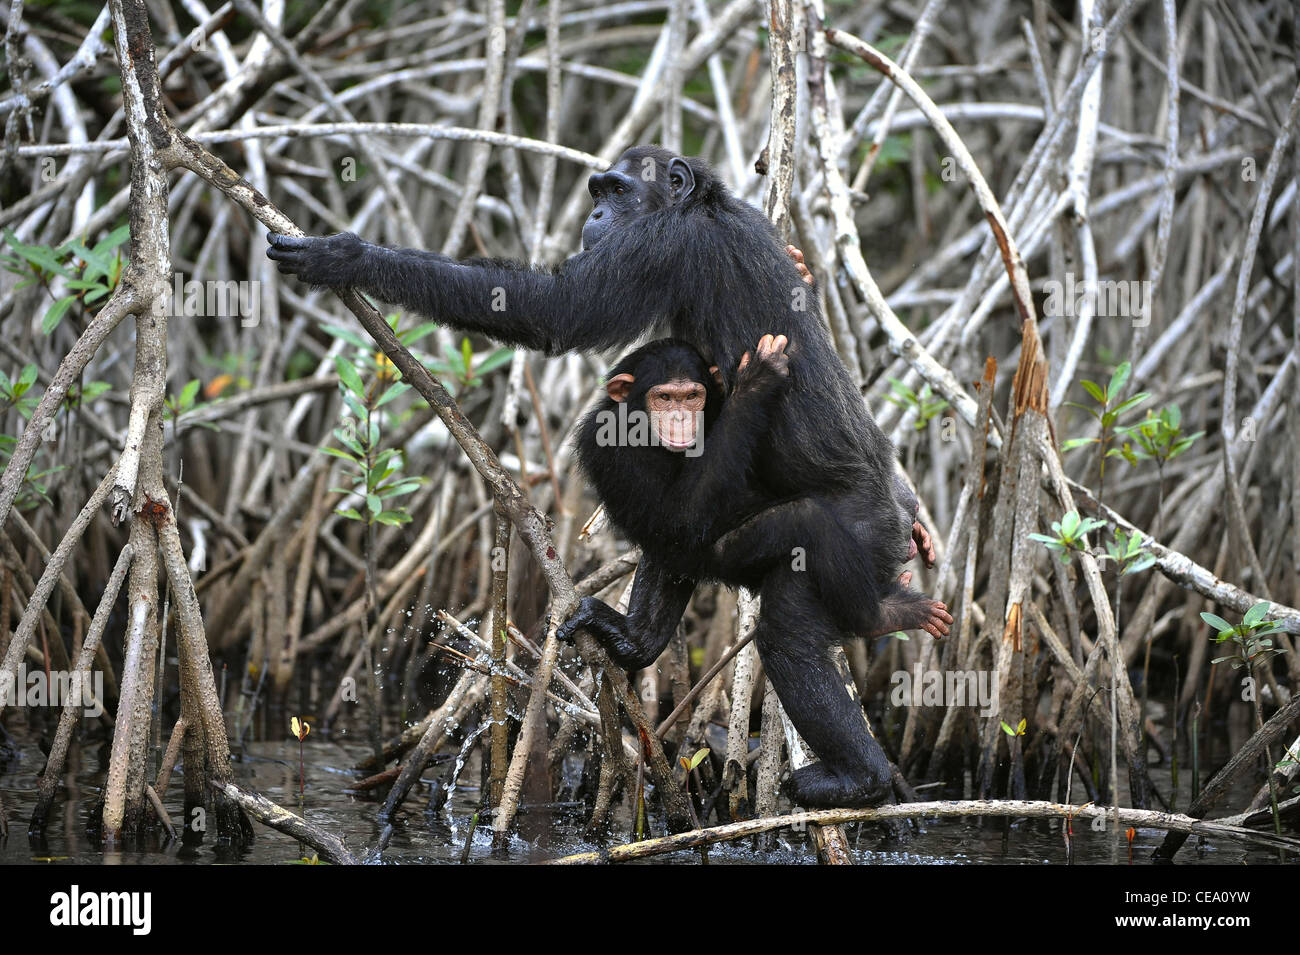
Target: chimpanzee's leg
(767, 539)
(845, 566)
(634, 641)
(794, 638)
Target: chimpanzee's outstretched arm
(598, 299)
(636, 640)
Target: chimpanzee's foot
(921, 539)
(907, 610)
(816, 785)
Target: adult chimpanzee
(667, 247)
(672, 464)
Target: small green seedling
(924, 403)
(1069, 530)
(1126, 551)
(1250, 637)
(1158, 437)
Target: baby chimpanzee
(674, 466)
(669, 460)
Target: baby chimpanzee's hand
(771, 364)
(797, 256)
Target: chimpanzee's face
(676, 408)
(620, 195)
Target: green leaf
(189, 392)
(347, 335)
(900, 389)
(395, 390)
(1217, 622)
(42, 257)
(97, 263)
(405, 487)
(1139, 565)
(55, 314)
(1255, 614)
(416, 333)
(358, 410)
(114, 238)
(699, 757)
(1119, 379)
(1135, 400)
(502, 356)
(1091, 412)
(1094, 389)
(93, 390)
(349, 513)
(348, 440)
(349, 377)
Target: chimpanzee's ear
(681, 181)
(717, 377)
(619, 386)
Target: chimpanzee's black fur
(671, 250)
(675, 504)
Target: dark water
(271, 768)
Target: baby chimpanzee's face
(675, 408)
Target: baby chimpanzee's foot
(921, 537)
(815, 785)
